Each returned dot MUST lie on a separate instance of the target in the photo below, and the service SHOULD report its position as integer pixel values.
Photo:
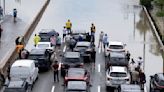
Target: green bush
(146, 3)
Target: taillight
(108, 79)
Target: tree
(159, 3)
(146, 3)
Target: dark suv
(45, 34)
(17, 85)
(116, 59)
(85, 48)
(71, 59)
(157, 82)
(41, 57)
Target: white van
(24, 69)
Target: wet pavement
(10, 29)
(118, 18)
(122, 20)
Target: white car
(115, 46)
(117, 75)
(45, 45)
(24, 69)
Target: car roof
(72, 55)
(37, 51)
(44, 42)
(46, 30)
(118, 69)
(83, 43)
(76, 72)
(23, 62)
(115, 43)
(16, 84)
(117, 54)
(130, 88)
(78, 85)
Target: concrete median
(12, 53)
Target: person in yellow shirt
(36, 39)
(69, 26)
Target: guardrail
(12, 54)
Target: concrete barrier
(12, 54)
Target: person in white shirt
(101, 39)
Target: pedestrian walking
(55, 68)
(69, 26)
(67, 39)
(93, 29)
(58, 41)
(101, 35)
(105, 41)
(64, 33)
(17, 40)
(53, 41)
(132, 65)
(88, 37)
(135, 76)
(72, 43)
(139, 61)
(0, 32)
(128, 55)
(80, 37)
(15, 14)
(142, 78)
(36, 39)
(1, 12)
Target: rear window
(35, 57)
(43, 45)
(118, 74)
(73, 60)
(116, 47)
(117, 59)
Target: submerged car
(157, 82)
(115, 46)
(77, 86)
(77, 74)
(117, 75)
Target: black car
(130, 88)
(77, 86)
(85, 48)
(116, 59)
(71, 59)
(17, 85)
(157, 82)
(41, 57)
(45, 34)
(77, 33)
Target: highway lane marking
(98, 88)
(53, 88)
(59, 66)
(64, 49)
(99, 67)
(99, 50)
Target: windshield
(43, 45)
(35, 57)
(116, 47)
(118, 74)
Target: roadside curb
(11, 55)
(154, 28)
